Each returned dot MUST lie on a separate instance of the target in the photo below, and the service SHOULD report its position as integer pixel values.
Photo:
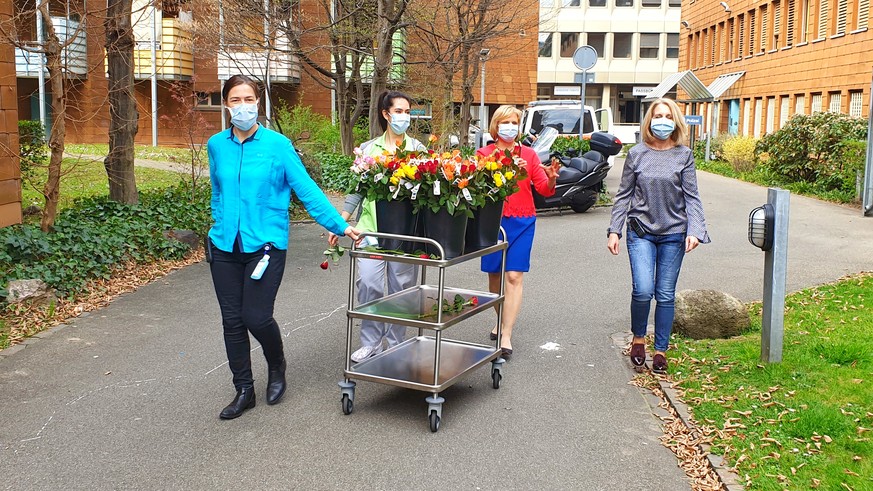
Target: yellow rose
(394, 180)
(498, 179)
(509, 174)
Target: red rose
(324, 265)
(424, 256)
(474, 301)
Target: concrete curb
(11, 350)
(730, 480)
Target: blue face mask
(399, 123)
(662, 128)
(244, 116)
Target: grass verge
(85, 178)
(804, 423)
(160, 154)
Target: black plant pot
(483, 229)
(395, 217)
(448, 230)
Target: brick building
(787, 56)
(10, 178)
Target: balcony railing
(283, 67)
(174, 54)
(74, 58)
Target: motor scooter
(580, 180)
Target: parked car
(564, 117)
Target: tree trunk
(52, 189)
(382, 59)
(466, 98)
(123, 116)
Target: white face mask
(399, 123)
(507, 131)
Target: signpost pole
(585, 57)
(582, 99)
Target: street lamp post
(483, 57)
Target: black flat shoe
(659, 364)
(505, 353)
(492, 336)
(638, 356)
(276, 384)
(245, 399)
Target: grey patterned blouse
(659, 188)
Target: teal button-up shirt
(251, 189)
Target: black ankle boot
(245, 399)
(276, 384)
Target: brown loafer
(659, 364)
(638, 356)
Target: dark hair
(386, 100)
(239, 80)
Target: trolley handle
(409, 238)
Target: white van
(564, 116)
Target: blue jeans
(655, 261)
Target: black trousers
(247, 307)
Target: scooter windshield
(546, 138)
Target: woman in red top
(519, 217)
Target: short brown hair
(502, 112)
(239, 80)
(680, 132)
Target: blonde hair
(680, 132)
(500, 114)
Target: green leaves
(97, 235)
(564, 144)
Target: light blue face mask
(662, 128)
(244, 116)
(399, 123)
(507, 131)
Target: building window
(800, 104)
(747, 115)
(596, 3)
(624, 3)
(672, 46)
(570, 3)
(742, 37)
(674, 3)
(855, 108)
(777, 24)
(649, 44)
(597, 40)
(730, 39)
(835, 103)
(621, 45)
(751, 43)
(208, 99)
(771, 114)
(763, 46)
(783, 111)
(816, 103)
(569, 43)
(546, 45)
(789, 24)
(822, 18)
(842, 16)
(651, 3)
(759, 107)
(804, 21)
(713, 37)
(863, 14)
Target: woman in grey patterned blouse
(658, 199)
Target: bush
(336, 171)
(739, 152)
(570, 145)
(96, 235)
(715, 148)
(33, 152)
(311, 132)
(809, 147)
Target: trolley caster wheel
(434, 420)
(496, 378)
(348, 404)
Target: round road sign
(585, 57)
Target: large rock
(709, 314)
(32, 291)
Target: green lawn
(160, 154)
(805, 423)
(85, 178)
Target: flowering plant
(500, 173)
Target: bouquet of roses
(499, 174)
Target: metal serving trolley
(425, 363)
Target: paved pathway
(128, 396)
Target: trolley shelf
(437, 263)
(416, 307)
(411, 363)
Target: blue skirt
(519, 234)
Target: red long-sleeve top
(521, 204)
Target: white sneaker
(365, 352)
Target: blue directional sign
(694, 120)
